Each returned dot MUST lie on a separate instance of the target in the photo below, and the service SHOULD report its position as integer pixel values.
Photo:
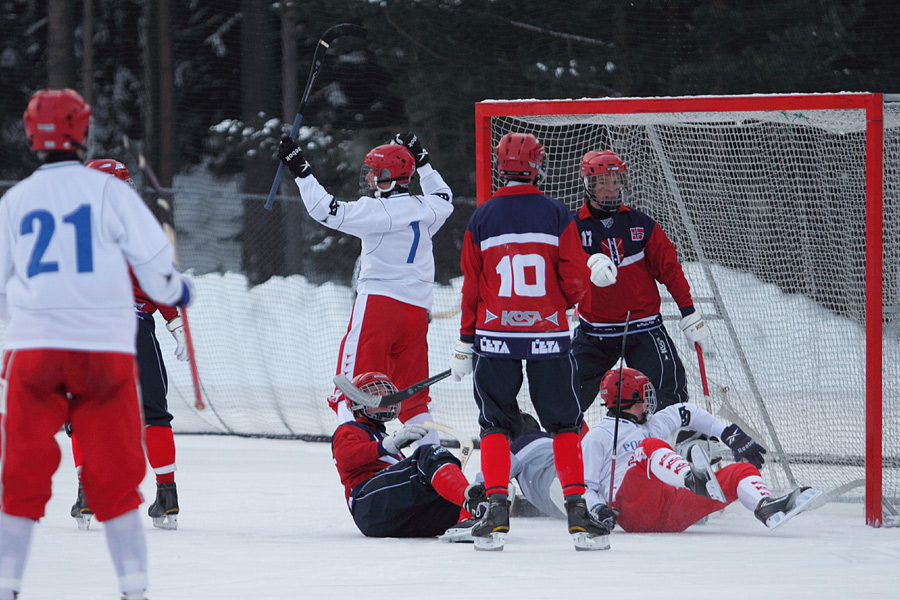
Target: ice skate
(587, 532)
(164, 510)
(134, 596)
(490, 532)
(702, 479)
(460, 533)
(775, 512)
(80, 510)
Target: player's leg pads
(775, 512)
(490, 532)
(164, 510)
(80, 510)
(702, 479)
(587, 532)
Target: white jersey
(597, 444)
(67, 236)
(397, 259)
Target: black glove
(605, 515)
(292, 156)
(743, 446)
(412, 143)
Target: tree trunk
(263, 234)
(87, 71)
(167, 149)
(60, 44)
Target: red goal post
(781, 192)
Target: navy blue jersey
(523, 266)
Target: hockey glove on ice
(176, 328)
(403, 437)
(605, 515)
(292, 157)
(695, 330)
(743, 446)
(412, 143)
(461, 360)
(603, 269)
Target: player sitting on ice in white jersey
(389, 323)
(654, 488)
(390, 495)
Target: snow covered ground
(266, 519)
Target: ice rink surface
(266, 519)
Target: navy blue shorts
(552, 384)
(152, 370)
(399, 501)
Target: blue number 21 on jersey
(80, 219)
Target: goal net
(775, 206)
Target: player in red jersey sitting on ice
(390, 495)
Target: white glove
(603, 269)
(695, 330)
(403, 437)
(176, 328)
(461, 360)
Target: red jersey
(523, 266)
(358, 451)
(644, 255)
(143, 303)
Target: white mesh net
(768, 213)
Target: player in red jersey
(390, 495)
(388, 329)
(633, 253)
(523, 266)
(158, 438)
(67, 237)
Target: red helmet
(608, 169)
(635, 388)
(377, 384)
(111, 166)
(57, 121)
(388, 163)
(520, 156)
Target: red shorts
(97, 393)
(646, 504)
(390, 337)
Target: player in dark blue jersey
(640, 255)
(523, 266)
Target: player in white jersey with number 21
(395, 288)
(67, 236)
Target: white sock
(431, 438)
(15, 543)
(128, 550)
(669, 467)
(751, 490)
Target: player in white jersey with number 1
(67, 236)
(389, 324)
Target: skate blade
(84, 521)
(492, 543)
(803, 500)
(700, 461)
(461, 535)
(166, 521)
(585, 543)
(713, 488)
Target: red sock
(160, 444)
(450, 483)
(77, 456)
(495, 463)
(568, 461)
